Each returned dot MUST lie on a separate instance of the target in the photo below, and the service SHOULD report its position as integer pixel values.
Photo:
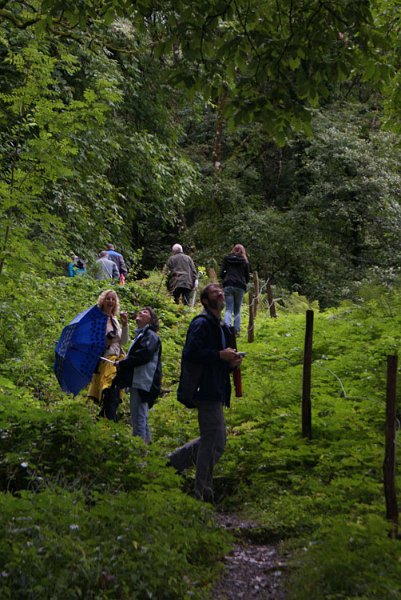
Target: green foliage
(117, 514)
(40, 139)
(327, 219)
(106, 546)
(98, 143)
(306, 490)
(87, 510)
(335, 565)
(270, 61)
(45, 446)
(88, 146)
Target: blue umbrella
(78, 349)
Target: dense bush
(42, 446)
(60, 544)
(349, 560)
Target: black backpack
(190, 377)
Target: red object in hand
(122, 279)
(237, 382)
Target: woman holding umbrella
(116, 336)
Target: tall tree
(41, 129)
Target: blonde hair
(101, 300)
(240, 250)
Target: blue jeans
(233, 297)
(139, 416)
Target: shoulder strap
(205, 316)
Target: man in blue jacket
(206, 347)
(118, 259)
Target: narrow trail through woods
(253, 568)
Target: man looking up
(206, 345)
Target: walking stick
(194, 293)
(237, 377)
(161, 281)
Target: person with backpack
(205, 385)
(235, 276)
(141, 371)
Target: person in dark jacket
(141, 371)
(117, 258)
(235, 276)
(182, 275)
(206, 345)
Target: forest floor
(253, 568)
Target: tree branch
(245, 30)
(205, 23)
(19, 23)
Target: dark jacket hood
(235, 258)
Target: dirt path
(252, 570)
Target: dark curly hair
(154, 323)
(204, 295)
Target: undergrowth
(89, 511)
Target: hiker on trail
(117, 258)
(105, 268)
(206, 349)
(116, 337)
(182, 275)
(235, 276)
(76, 266)
(141, 371)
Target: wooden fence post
(270, 299)
(389, 463)
(306, 379)
(256, 299)
(251, 319)
(212, 275)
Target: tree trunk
(218, 133)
